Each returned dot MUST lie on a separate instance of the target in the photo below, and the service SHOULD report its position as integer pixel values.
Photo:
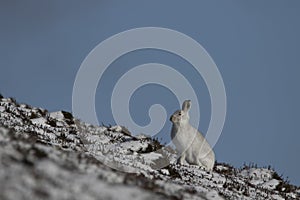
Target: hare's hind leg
(181, 159)
(208, 165)
(201, 165)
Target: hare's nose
(171, 118)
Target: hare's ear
(186, 105)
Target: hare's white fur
(190, 143)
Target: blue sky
(255, 45)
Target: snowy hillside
(54, 156)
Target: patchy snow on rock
(150, 158)
(213, 195)
(54, 156)
(271, 184)
(57, 115)
(38, 121)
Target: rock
(120, 129)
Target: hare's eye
(179, 114)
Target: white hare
(191, 145)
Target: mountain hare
(190, 143)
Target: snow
(213, 195)
(149, 158)
(272, 184)
(2, 108)
(38, 121)
(57, 115)
(165, 172)
(277, 197)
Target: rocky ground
(54, 156)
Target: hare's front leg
(181, 159)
